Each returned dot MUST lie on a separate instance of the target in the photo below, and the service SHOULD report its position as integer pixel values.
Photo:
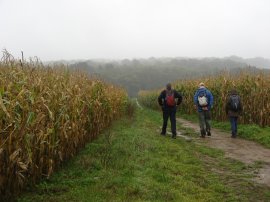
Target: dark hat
(168, 86)
(233, 92)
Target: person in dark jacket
(203, 102)
(233, 109)
(166, 100)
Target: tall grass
(254, 90)
(46, 115)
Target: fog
(118, 29)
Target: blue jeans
(233, 121)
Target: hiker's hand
(195, 107)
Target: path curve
(138, 104)
(243, 150)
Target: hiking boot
(208, 133)
(164, 134)
(174, 136)
(202, 133)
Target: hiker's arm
(160, 99)
(195, 99)
(179, 98)
(211, 99)
(241, 108)
(227, 106)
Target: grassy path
(132, 162)
(248, 152)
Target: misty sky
(117, 29)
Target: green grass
(132, 162)
(250, 132)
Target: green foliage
(153, 73)
(131, 108)
(149, 99)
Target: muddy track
(245, 151)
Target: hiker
(203, 102)
(168, 104)
(233, 110)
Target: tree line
(153, 73)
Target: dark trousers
(169, 112)
(233, 121)
(204, 121)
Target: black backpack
(235, 103)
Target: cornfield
(253, 90)
(46, 115)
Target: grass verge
(132, 162)
(250, 132)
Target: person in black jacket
(166, 100)
(233, 109)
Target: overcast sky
(117, 29)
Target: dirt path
(243, 150)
